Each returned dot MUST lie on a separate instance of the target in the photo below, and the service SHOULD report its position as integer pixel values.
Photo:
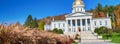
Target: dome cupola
(78, 2)
(78, 6)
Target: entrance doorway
(79, 29)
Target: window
(83, 28)
(63, 25)
(95, 23)
(55, 25)
(81, 9)
(63, 30)
(78, 22)
(73, 22)
(74, 30)
(105, 22)
(69, 29)
(69, 22)
(59, 24)
(88, 21)
(78, 9)
(89, 28)
(100, 22)
(83, 22)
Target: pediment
(79, 14)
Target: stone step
(92, 40)
(87, 35)
(88, 38)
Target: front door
(79, 29)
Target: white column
(81, 25)
(86, 24)
(91, 25)
(66, 26)
(76, 25)
(71, 25)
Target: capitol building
(79, 20)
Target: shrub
(96, 30)
(55, 30)
(60, 31)
(103, 30)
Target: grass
(115, 37)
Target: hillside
(48, 19)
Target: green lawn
(115, 37)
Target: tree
(106, 9)
(41, 25)
(34, 23)
(99, 7)
(30, 22)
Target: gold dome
(78, 2)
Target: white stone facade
(79, 20)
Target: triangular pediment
(78, 14)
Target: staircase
(87, 36)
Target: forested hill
(48, 19)
(99, 11)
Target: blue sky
(12, 11)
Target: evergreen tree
(106, 9)
(111, 9)
(99, 8)
(30, 22)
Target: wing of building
(79, 20)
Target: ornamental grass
(17, 34)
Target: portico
(83, 24)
